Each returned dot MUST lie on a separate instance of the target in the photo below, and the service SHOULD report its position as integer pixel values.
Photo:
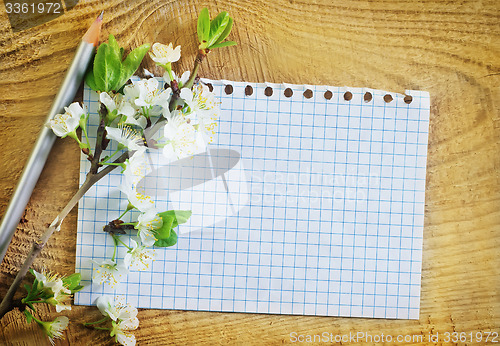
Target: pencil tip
(92, 34)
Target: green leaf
(72, 281)
(223, 44)
(116, 52)
(34, 286)
(113, 45)
(217, 27)
(130, 64)
(180, 216)
(170, 241)
(99, 71)
(226, 31)
(107, 68)
(27, 288)
(28, 315)
(203, 25)
(164, 231)
(171, 219)
(89, 79)
(77, 288)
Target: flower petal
(126, 339)
(107, 101)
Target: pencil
(33, 168)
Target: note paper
(307, 206)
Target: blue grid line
(377, 270)
(309, 216)
(343, 223)
(366, 222)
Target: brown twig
(202, 53)
(100, 143)
(7, 303)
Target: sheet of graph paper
(308, 206)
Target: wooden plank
(450, 49)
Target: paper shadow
(192, 171)
(212, 184)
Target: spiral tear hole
(268, 91)
(210, 87)
(408, 99)
(348, 96)
(387, 98)
(308, 94)
(328, 95)
(288, 92)
(248, 90)
(228, 89)
(367, 97)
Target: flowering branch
(7, 303)
(187, 118)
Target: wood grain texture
(449, 48)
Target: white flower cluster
(53, 286)
(123, 317)
(138, 257)
(66, 124)
(188, 128)
(55, 290)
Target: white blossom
(126, 136)
(206, 110)
(123, 336)
(163, 54)
(136, 168)
(67, 123)
(61, 295)
(146, 93)
(41, 278)
(137, 199)
(116, 102)
(53, 285)
(122, 107)
(54, 329)
(183, 140)
(139, 257)
(124, 317)
(116, 311)
(109, 272)
(147, 224)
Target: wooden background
(449, 48)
